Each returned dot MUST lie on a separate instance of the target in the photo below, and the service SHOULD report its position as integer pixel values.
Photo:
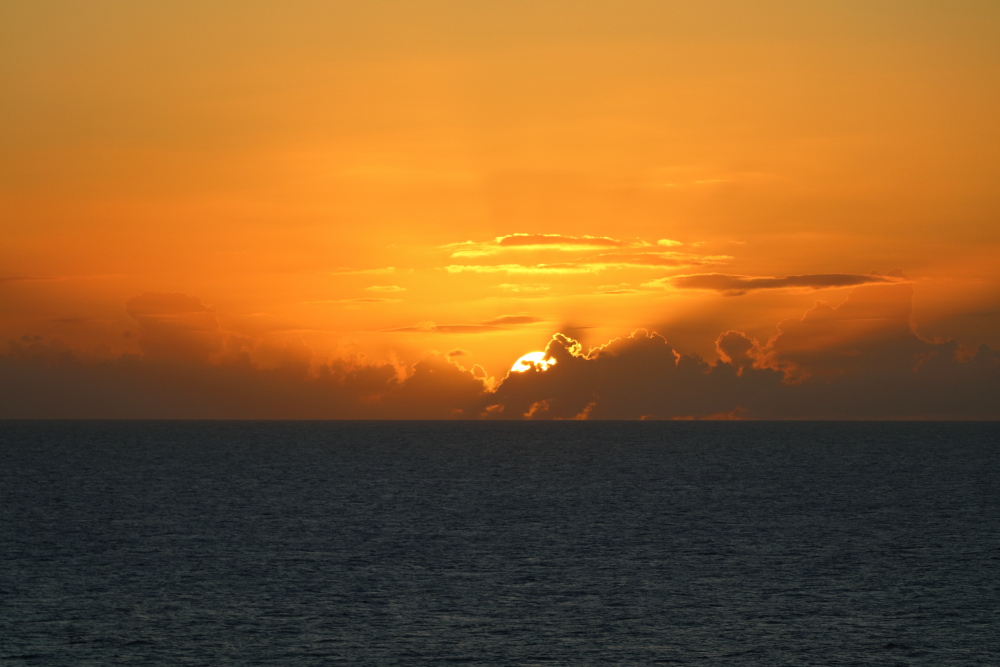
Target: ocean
(499, 543)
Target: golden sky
(374, 185)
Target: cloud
(530, 242)
(347, 271)
(514, 319)
(514, 269)
(364, 299)
(867, 333)
(661, 259)
(861, 359)
(438, 389)
(640, 376)
(361, 299)
(560, 241)
(738, 349)
(604, 262)
(46, 380)
(431, 327)
(27, 278)
(524, 289)
(731, 285)
(175, 326)
(611, 254)
(497, 324)
(385, 288)
(72, 321)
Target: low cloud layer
(862, 359)
(45, 380)
(176, 327)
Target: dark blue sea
(501, 543)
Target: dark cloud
(174, 326)
(862, 359)
(640, 376)
(46, 380)
(56, 278)
(730, 285)
(74, 320)
(869, 332)
(738, 349)
(437, 389)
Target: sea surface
(570, 543)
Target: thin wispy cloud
(533, 289)
(432, 327)
(514, 269)
(385, 288)
(502, 323)
(514, 319)
(59, 278)
(735, 285)
(605, 262)
(347, 271)
(561, 241)
(538, 242)
(357, 300)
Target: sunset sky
(373, 209)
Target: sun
(532, 360)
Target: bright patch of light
(532, 359)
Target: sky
(307, 209)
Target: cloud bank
(862, 359)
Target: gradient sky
(343, 187)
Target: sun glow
(532, 360)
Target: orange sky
(382, 181)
